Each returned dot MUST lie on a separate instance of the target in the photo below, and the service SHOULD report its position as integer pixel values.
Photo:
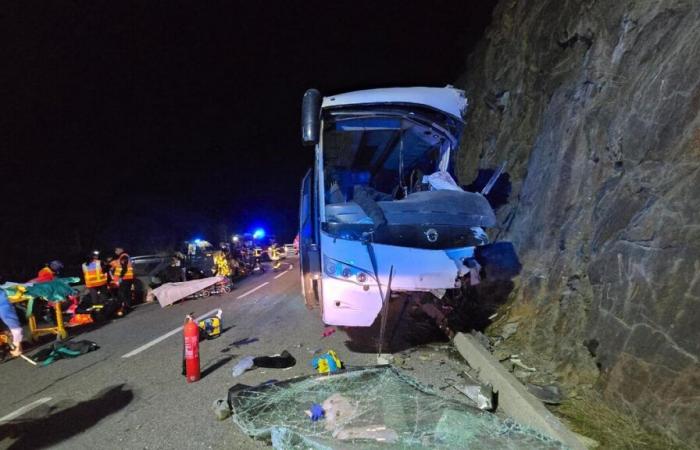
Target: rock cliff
(596, 107)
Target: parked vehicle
(290, 250)
(381, 211)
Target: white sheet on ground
(169, 293)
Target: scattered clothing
(275, 362)
(60, 350)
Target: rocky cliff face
(596, 107)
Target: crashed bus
(380, 212)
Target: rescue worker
(273, 251)
(95, 277)
(8, 316)
(49, 272)
(221, 267)
(123, 276)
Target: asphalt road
(130, 393)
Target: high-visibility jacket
(274, 253)
(116, 268)
(221, 264)
(94, 276)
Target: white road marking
(24, 409)
(165, 336)
(283, 273)
(252, 290)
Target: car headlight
(346, 272)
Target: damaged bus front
(381, 211)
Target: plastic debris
(242, 366)
(316, 412)
(221, 409)
(372, 408)
(327, 362)
(482, 396)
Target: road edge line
(23, 410)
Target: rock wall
(595, 106)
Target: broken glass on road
(376, 407)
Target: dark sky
(143, 122)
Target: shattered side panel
(348, 302)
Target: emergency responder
(122, 273)
(48, 272)
(273, 251)
(95, 277)
(8, 316)
(221, 267)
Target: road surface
(130, 393)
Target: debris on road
(327, 332)
(367, 406)
(210, 327)
(316, 412)
(481, 395)
(221, 409)
(281, 361)
(244, 364)
(327, 362)
(61, 350)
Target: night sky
(144, 123)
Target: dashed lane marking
(283, 273)
(24, 409)
(165, 336)
(245, 294)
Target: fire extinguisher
(191, 349)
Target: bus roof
(448, 99)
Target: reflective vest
(222, 267)
(94, 277)
(116, 268)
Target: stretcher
(34, 330)
(54, 292)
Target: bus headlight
(346, 272)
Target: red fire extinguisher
(191, 349)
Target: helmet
(94, 254)
(56, 265)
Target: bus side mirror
(310, 117)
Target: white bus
(381, 211)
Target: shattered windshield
(368, 408)
(388, 154)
